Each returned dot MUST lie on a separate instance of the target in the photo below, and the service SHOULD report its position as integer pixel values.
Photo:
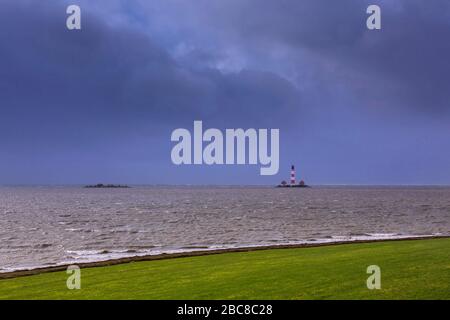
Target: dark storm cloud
(105, 79)
(354, 106)
(405, 64)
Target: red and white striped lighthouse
(292, 175)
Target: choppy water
(42, 226)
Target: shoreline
(164, 256)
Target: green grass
(409, 270)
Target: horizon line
(218, 185)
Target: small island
(101, 185)
(284, 184)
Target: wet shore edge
(163, 256)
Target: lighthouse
(292, 184)
(292, 175)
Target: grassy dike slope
(418, 269)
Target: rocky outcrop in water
(101, 185)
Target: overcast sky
(353, 106)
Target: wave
(99, 255)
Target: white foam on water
(50, 226)
(87, 256)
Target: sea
(44, 226)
